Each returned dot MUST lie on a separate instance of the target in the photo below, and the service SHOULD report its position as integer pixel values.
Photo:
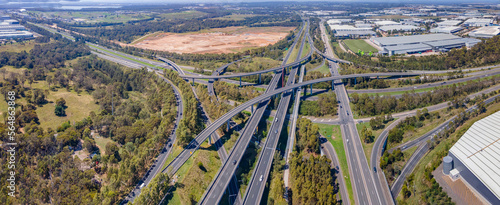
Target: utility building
(476, 158)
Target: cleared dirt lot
(220, 40)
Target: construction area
(219, 40)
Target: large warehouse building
(422, 43)
(485, 32)
(476, 158)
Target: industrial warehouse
(10, 29)
(475, 158)
(421, 43)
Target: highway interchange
(369, 187)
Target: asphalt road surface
(214, 193)
(255, 189)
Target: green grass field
(101, 143)
(18, 47)
(79, 106)
(334, 136)
(359, 44)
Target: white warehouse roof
(449, 23)
(386, 23)
(399, 28)
(446, 29)
(485, 32)
(479, 150)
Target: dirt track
(222, 40)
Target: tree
(367, 135)
(59, 111)
(49, 80)
(61, 102)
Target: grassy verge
(334, 136)
(123, 56)
(324, 69)
(306, 50)
(194, 177)
(428, 126)
(368, 147)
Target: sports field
(359, 44)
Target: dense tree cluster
(316, 34)
(215, 108)
(365, 105)
(52, 55)
(410, 123)
(233, 92)
(325, 105)
(191, 123)
(313, 75)
(311, 177)
(139, 129)
(307, 136)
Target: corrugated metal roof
(453, 42)
(409, 47)
(479, 150)
(413, 39)
(347, 33)
(399, 27)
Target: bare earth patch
(220, 40)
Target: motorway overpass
(202, 136)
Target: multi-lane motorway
(366, 191)
(214, 192)
(255, 189)
(369, 188)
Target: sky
(237, 1)
(229, 1)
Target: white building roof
(386, 23)
(348, 28)
(400, 40)
(449, 23)
(400, 27)
(480, 21)
(479, 150)
(446, 29)
(485, 31)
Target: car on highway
(374, 169)
(347, 112)
(170, 145)
(142, 185)
(337, 167)
(276, 120)
(276, 131)
(234, 162)
(261, 176)
(347, 140)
